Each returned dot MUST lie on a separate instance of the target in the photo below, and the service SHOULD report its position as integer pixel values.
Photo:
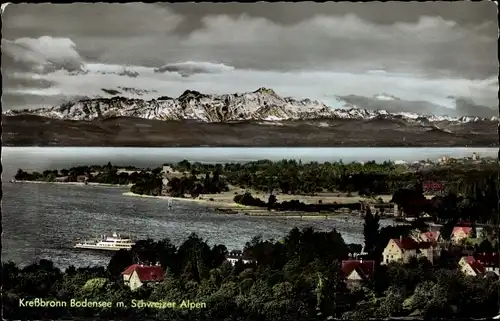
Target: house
(124, 170)
(444, 159)
(460, 233)
(62, 179)
(490, 261)
(82, 178)
(137, 275)
(236, 255)
(166, 173)
(397, 211)
(357, 271)
(430, 236)
(167, 169)
(469, 266)
(404, 248)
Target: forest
(295, 177)
(294, 278)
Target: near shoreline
(226, 205)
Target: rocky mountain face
(260, 105)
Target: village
(357, 270)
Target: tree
(371, 231)
(485, 247)
(473, 232)
(119, 262)
(412, 202)
(271, 201)
(446, 230)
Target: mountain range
(262, 104)
(273, 120)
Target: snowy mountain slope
(262, 104)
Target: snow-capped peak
(263, 105)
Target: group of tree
(295, 177)
(104, 174)
(292, 205)
(468, 192)
(482, 207)
(195, 185)
(296, 278)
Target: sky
(432, 57)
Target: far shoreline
(70, 183)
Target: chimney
(401, 238)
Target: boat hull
(101, 248)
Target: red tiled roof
(465, 229)
(364, 268)
(431, 236)
(489, 259)
(146, 273)
(407, 243)
(475, 265)
(469, 259)
(130, 269)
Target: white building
(236, 255)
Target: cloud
(89, 19)
(462, 106)
(328, 39)
(341, 50)
(190, 68)
(465, 106)
(44, 54)
(349, 42)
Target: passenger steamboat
(107, 243)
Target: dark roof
(364, 268)
(146, 273)
(491, 274)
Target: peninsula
(292, 188)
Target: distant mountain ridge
(261, 105)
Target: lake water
(45, 220)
